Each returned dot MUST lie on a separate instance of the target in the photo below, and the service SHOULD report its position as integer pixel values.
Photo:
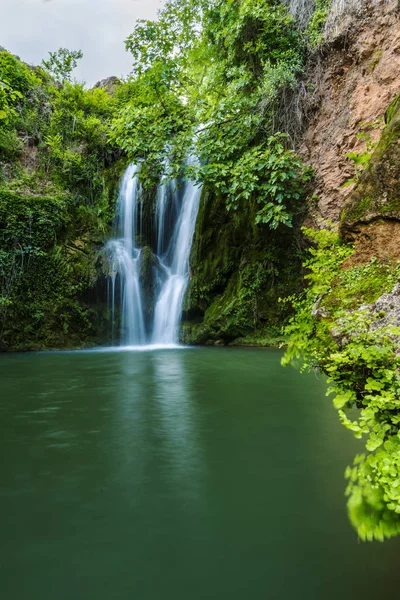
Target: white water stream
(174, 223)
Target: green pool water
(186, 474)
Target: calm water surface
(177, 475)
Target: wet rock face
(238, 273)
(357, 77)
(150, 273)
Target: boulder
(109, 84)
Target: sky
(32, 28)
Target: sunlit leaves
(360, 355)
(205, 79)
(62, 63)
(374, 492)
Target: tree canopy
(206, 81)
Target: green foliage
(76, 149)
(334, 330)
(361, 159)
(207, 78)
(67, 123)
(374, 492)
(19, 76)
(29, 228)
(61, 63)
(317, 23)
(324, 263)
(8, 97)
(274, 175)
(56, 203)
(18, 84)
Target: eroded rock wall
(355, 78)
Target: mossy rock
(377, 194)
(393, 110)
(238, 272)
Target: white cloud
(32, 28)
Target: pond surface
(187, 474)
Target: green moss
(239, 271)
(393, 110)
(377, 192)
(268, 338)
(356, 212)
(375, 61)
(361, 285)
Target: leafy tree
(56, 187)
(206, 81)
(61, 63)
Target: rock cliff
(355, 77)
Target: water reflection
(154, 409)
(178, 418)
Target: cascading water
(168, 307)
(173, 229)
(124, 262)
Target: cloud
(32, 28)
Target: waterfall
(168, 307)
(124, 260)
(168, 244)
